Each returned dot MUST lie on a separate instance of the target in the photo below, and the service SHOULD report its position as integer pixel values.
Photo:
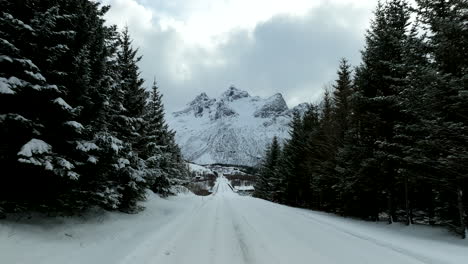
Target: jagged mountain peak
(198, 106)
(201, 97)
(231, 129)
(273, 106)
(232, 93)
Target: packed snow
(222, 228)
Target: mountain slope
(231, 129)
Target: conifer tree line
(390, 139)
(78, 129)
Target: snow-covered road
(226, 228)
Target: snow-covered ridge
(231, 129)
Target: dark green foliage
(267, 176)
(161, 153)
(75, 126)
(390, 141)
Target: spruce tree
(128, 100)
(264, 186)
(442, 141)
(41, 37)
(295, 184)
(163, 157)
(312, 156)
(341, 100)
(379, 79)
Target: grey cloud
(296, 56)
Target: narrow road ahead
(228, 228)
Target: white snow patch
(35, 146)
(244, 188)
(28, 63)
(122, 163)
(65, 164)
(75, 124)
(73, 175)
(17, 21)
(36, 76)
(92, 159)
(62, 103)
(86, 146)
(198, 169)
(52, 87)
(6, 85)
(5, 58)
(15, 117)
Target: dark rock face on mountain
(273, 106)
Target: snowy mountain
(231, 129)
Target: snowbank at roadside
(97, 237)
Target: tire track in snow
(245, 232)
(375, 241)
(214, 237)
(172, 230)
(239, 234)
(388, 246)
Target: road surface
(222, 228)
(228, 228)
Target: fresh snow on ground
(198, 169)
(222, 228)
(244, 188)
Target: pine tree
(264, 186)
(442, 138)
(326, 147)
(312, 156)
(40, 36)
(128, 100)
(295, 185)
(72, 111)
(379, 79)
(165, 164)
(341, 100)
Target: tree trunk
(390, 207)
(431, 208)
(409, 217)
(461, 211)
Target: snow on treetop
(86, 146)
(62, 103)
(6, 85)
(34, 146)
(78, 126)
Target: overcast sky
(261, 46)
